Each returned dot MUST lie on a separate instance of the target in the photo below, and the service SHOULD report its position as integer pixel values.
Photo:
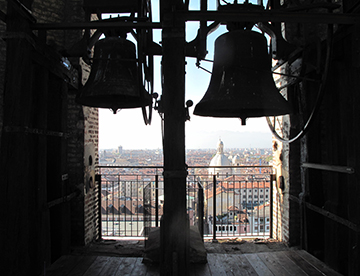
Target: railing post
(156, 200)
(200, 211)
(272, 179)
(98, 180)
(214, 209)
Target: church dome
(220, 159)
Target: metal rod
(95, 25)
(156, 200)
(271, 16)
(201, 210)
(113, 208)
(341, 169)
(272, 179)
(206, 70)
(98, 179)
(214, 208)
(190, 167)
(238, 16)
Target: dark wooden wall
(330, 212)
(35, 226)
(35, 213)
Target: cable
(318, 98)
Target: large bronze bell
(241, 84)
(114, 80)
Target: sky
(127, 128)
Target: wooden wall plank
(18, 206)
(60, 216)
(41, 231)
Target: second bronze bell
(114, 80)
(241, 84)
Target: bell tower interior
(49, 142)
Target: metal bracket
(341, 169)
(175, 174)
(27, 130)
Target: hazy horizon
(231, 140)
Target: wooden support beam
(332, 168)
(174, 226)
(325, 213)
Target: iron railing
(221, 201)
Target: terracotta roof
(245, 184)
